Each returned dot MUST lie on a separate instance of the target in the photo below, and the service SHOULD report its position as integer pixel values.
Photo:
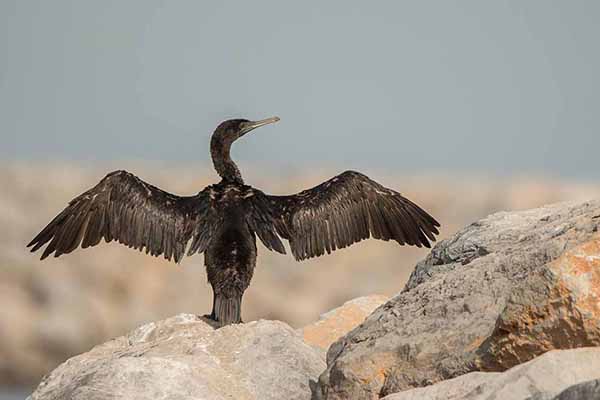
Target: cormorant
(223, 220)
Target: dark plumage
(223, 220)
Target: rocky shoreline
(509, 308)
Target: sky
(484, 87)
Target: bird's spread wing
(347, 209)
(124, 208)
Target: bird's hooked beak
(250, 125)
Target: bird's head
(220, 144)
(232, 129)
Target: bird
(224, 219)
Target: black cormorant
(223, 220)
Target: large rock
(185, 358)
(341, 320)
(500, 292)
(589, 390)
(539, 379)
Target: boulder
(539, 379)
(184, 357)
(339, 321)
(589, 390)
(498, 293)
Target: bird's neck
(224, 165)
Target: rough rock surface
(339, 321)
(500, 292)
(589, 390)
(185, 358)
(539, 379)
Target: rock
(452, 389)
(589, 390)
(185, 358)
(539, 379)
(500, 292)
(339, 321)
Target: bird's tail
(227, 309)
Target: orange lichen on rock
(579, 270)
(563, 312)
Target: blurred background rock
(60, 307)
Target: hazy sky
(480, 86)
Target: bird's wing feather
(347, 209)
(261, 220)
(124, 208)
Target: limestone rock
(185, 358)
(500, 292)
(539, 379)
(339, 321)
